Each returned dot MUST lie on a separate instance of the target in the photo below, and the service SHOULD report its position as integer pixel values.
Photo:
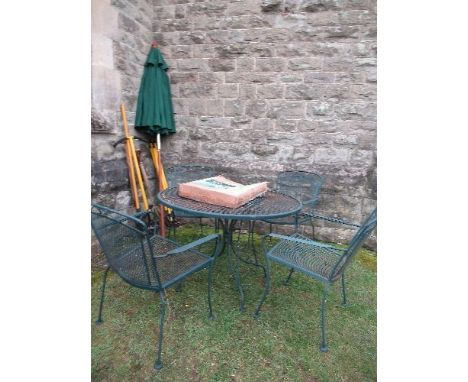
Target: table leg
(251, 243)
(228, 228)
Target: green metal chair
(147, 261)
(325, 263)
(304, 186)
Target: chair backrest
(302, 185)
(124, 241)
(355, 243)
(182, 173)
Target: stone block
(311, 5)
(181, 51)
(243, 123)
(286, 109)
(192, 65)
(270, 64)
(214, 122)
(305, 63)
(315, 92)
(197, 90)
(177, 77)
(319, 78)
(247, 7)
(361, 158)
(357, 110)
(228, 90)
(292, 77)
(270, 91)
(271, 5)
(319, 108)
(211, 77)
(233, 108)
(255, 108)
(231, 50)
(221, 65)
(339, 32)
(244, 22)
(203, 51)
(245, 64)
(102, 121)
(332, 155)
(337, 64)
(364, 91)
(260, 50)
(105, 86)
(180, 11)
(250, 78)
(127, 24)
(264, 150)
(189, 38)
(283, 124)
(102, 53)
(247, 91)
(209, 9)
(214, 107)
(307, 126)
(219, 37)
(173, 25)
(196, 107)
(263, 124)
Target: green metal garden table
(269, 206)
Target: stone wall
(259, 86)
(263, 86)
(121, 38)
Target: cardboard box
(221, 191)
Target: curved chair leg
(286, 282)
(163, 303)
(324, 345)
(210, 281)
(99, 320)
(265, 290)
(343, 290)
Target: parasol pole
(162, 225)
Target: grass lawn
(283, 345)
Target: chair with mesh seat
(304, 186)
(148, 261)
(183, 173)
(324, 263)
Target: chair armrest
(194, 244)
(303, 241)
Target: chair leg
(265, 290)
(286, 282)
(324, 345)
(343, 290)
(210, 281)
(163, 303)
(99, 320)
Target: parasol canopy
(154, 113)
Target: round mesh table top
(271, 205)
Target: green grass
(283, 345)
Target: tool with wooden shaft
(132, 160)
